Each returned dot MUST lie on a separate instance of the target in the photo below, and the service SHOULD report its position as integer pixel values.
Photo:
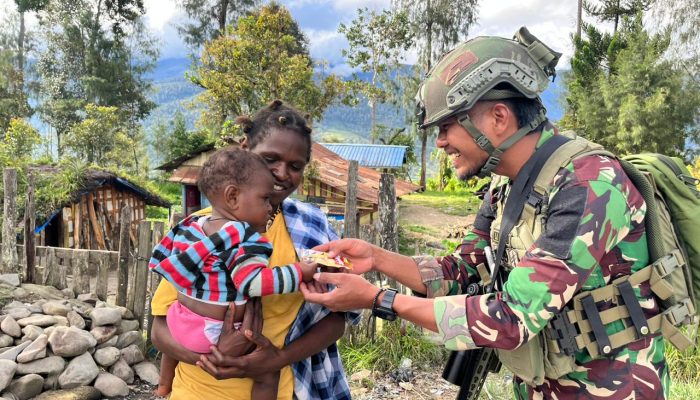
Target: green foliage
(174, 140)
(208, 19)
(13, 99)
(18, 143)
(260, 60)
(389, 348)
(453, 203)
(627, 97)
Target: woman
(308, 332)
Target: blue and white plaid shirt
(320, 376)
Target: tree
(682, 17)
(258, 61)
(13, 96)
(87, 57)
(376, 41)
(614, 10)
(209, 19)
(438, 25)
(641, 103)
(100, 138)
(175, 140)
(18, 143)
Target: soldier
(581, 228)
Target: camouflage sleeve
(445, 276)
(585, 221)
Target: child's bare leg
(167, 374)
(265, 388)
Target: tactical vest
(580, 325)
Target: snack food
(322, 258)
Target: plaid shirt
(320, 376)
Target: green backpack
(673, 227)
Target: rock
(123, 371)
(38, 320)
(148, 372)
(103, 333)
(27, 386)
(88, 298)
(10, 326)
(129, 338)
(10, 279)
(81, 370)
(74, 319)
(35, 351)
(7, 371)
(61, 320)
(68, 293)
(5, 340)
(31, 332)
(360, 375)
(79, 393)
(70, 342)
(18, 312)
(107, 356)
(128, 325)
(48, 365)
(12, 353)
(20, 293)
(110, 343)
(55, 307)
(132, 354)
(44, 292)
(126, 313)
(105, 316)
(110, 385)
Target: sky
(553, 22)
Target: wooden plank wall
(92, 222)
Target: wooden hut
(89, 220)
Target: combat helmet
(471, 72)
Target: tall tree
(88, 57)
(438, 26)
(209, 18)
(258, 61)
(682, 17)
(376, 41)
(642, 102)
(614, 10)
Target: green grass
(453, 203)
(390, 346)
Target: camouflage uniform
(594, 232)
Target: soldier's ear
(502, 120)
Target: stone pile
(57, 342)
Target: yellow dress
(279, 312)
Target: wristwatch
(385, 310)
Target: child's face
(254, 200)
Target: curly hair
(275, 115)
(229, 166)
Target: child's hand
(308, 269)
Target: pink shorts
(193, 331)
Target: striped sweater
(229, 265)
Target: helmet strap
(495, 152)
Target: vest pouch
(526, 362)
(556, 365)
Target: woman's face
(285, 152)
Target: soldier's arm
(585, 221)
(445, 276)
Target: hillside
(173, 92)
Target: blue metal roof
(370, 155)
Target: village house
(89, 219)
(325, 183)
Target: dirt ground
(414, 214)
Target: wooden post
(154, 278)
(77, 225)
(388, 227)
(50, 268)
(102, 277)
(96, 228)
(123, 272)
(29, 245)
(81, 278)
(141, 271)
(62, 272)
(351, 229)
(8, 263)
